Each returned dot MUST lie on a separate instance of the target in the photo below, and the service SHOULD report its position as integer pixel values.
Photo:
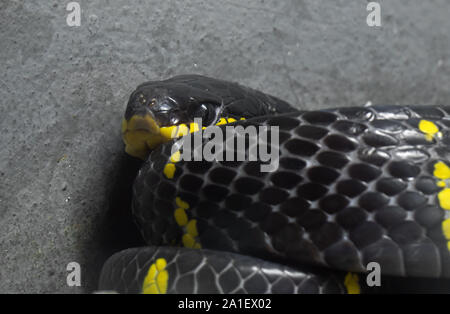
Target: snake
(356, 192)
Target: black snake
(352, 186)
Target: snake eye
(206, 112)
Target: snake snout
(140, 133)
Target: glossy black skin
(380, 149)
(206, 271)
(210, 272)
(182, 98)
(355, 185)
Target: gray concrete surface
(63, 90)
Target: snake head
(160, 111)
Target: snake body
(353, 186)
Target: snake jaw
(141, 134)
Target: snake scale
(353, 185)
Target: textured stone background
(63, 90)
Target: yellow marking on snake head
(429, 128)
(143, 123)
(441, 170)
(154, 141)
(444, 199)
(176, 157)
(155, 282)
(169, 132)
(222, 121)
(182, 130)
(180, 203)
(446, 228)
(136, 143)
(181, 217)
(169, 170)
(351, 284)
(140, 134)
(191, 228)
(193, 127)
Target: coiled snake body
(353, 186)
